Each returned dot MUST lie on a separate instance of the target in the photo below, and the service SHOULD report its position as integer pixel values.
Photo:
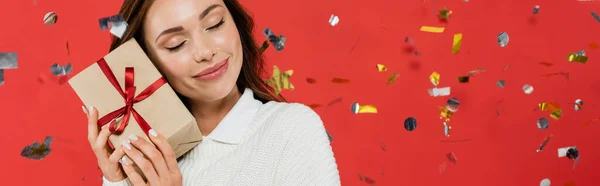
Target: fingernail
(152, 133)
(84, 110)
(91, 110)
(124, 161)
(133, 137)
(127, 145)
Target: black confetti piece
(596, 16)
(36, 150)
(410, 124)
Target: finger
(144, 164)
(92, 124)
(102, 138)
(134, 177)
(157, 159)
(100, 146)
(115, 158)
(167, 151)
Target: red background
(500, 150)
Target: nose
(205, 50)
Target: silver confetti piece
(501, 83)
(452, 104)
(596, 16)
(503, 39)
(435, 92)
(536, 9)
(542, 123)
(1, 76)
(277, 41)
(334, 20)
(8, 60)
(576, 161)
(50, 18)
(447, 130)
(578, 104)
(117, 22)
(528, 89)
(58, 70)
(545, 182)
(581, 53)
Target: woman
(205, 50)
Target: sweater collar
(233, 126)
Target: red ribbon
(129, 95)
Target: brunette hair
(134, 13)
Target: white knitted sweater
(261, 144)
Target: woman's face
(196, 46)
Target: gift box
(126, 86)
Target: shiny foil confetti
(578, 105)
(392, 78)
(68, 51)
(434, 78)
(556, 114)
(432, 29)
(545, 182)
(37, 151)
(593, 45)
(363, 109)
(536, 9)
(463, 79)
(1, 76)
(311, 80)
(329, 137)
(410, 124)
(500, 83)
(117, 23)
(263, 47)
(586, 123)
(8, 60)
(572, 153)
(445, 113)
(451, 157)
(58, 70)
(542, 123)
(548, 106)
(314, 106)
(452, 104)
(562, 152)
(340, 80)
(528, 89)
(456, 43)
(444, 14)
(335, 101)
(578, 57)
(280, 80)
(277, 41)
(548, 64)
(596, 17)
(381, 68)
(435, 92)
(366, 179)
(544, 143)
(447, 129)
(476, 71)
(50, 18)
(334, 20)
(503, 39)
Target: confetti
(503, 39)
(8, 60)
(277, 41)
(545, 182)
(463, 79)
(578, 104)
(570, 183)
(383, 146)
(536, 9)
(311, 80)
(451, 157)
(572, 153)
(445, 113)
(263, 47)
(435, 92)
(335, 101)
(281, 80)
(410, 124)
(363, 109)
(1, 76)
(596, 17)
(447, 130)
(314, 106)
(506, 67)
(444, 14)
(381, 68)
(68, 51)
(456, 43)
(548, 64)
(50, 18)
(58, 70)
(392, 78)
(548, 106)
(416, 53)
(593, 45)
(562, 152)
(475, 72)
(528, 89)
(576, 162)
(334, 20)
(556, 114)
(544, 143)
(329, 137)
(452, 104)
(442, 167)
(340, 80)
(578, 57)
(500, 83)
(36, 150)
(366, 179)
(434, 78)
(432, 29)
(586, 123)
(542, 123)
(117, 23)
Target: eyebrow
(180, 28)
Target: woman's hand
(108, 163)
(160, 167)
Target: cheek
(228, 40)
(173, 69)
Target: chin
(217, 92)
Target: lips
(213, 72)
(212, 69)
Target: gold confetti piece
(445, 113)
(280, 80)
(392, 78)
(311, 80)
(340, 80)
(50, 18)
(314, 106)
(593, 45)
(434, 78)
(544, 143)
(463, 79)
(381, 68)
(456, 43)
(445, 14)
(363, 109)
(432, 29)
(451, 157)
(549, 106)
(263, 47)
(556, 114)
(579, 57)
(548, 64)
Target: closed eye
(175, 47)
(217, 25)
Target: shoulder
(290, 115)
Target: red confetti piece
(548, 64)
(340, 80)
(335, 101)
(570, 183)
(590, 121)
(366, 179)
(311, 80)
(451, 157)
(314, 106)
(593, 45)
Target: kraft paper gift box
(129, 99)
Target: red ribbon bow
(130, 99)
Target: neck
(209, 114)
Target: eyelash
(210, 28)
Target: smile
(214, 72)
